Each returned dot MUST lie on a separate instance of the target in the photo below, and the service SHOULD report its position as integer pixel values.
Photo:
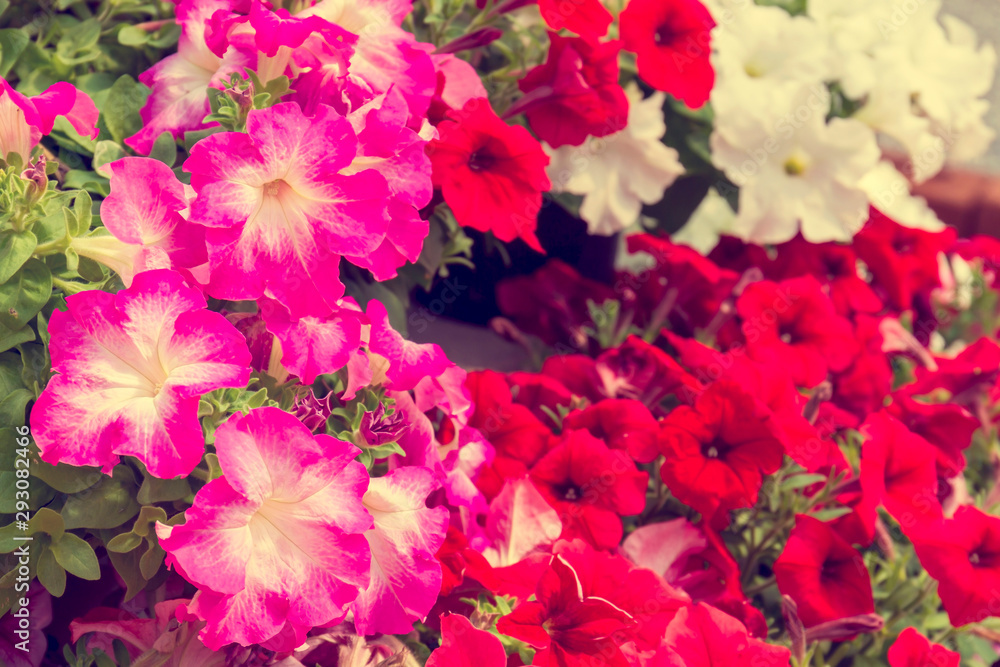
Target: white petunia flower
(618, 173)
(889, 192)
(796, 172)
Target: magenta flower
(130, 368)
(24, 121)
(405, 575)
(275, 545)
(144, 216)
(281, 210)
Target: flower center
(710, 450)
(664, 34)
(480, 160)
(796, 165)
(974, 558)
(570, 492)
(273, 188)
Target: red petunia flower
(464, 645)
(703, 636)
(491, 174)
(575, 93)
(947, 426)
(568, 628)
(793, 324)
(622, 423)
(912, 649)
(823, 574)
(963, 553)
(862, 387)
(973, 371)
(898, 470)
(672, 43)
(591, 487)
(587, 18)
(903, 260)
(717, 452)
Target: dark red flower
(621, 423)
(703, 636)
(459, 561)
(575, 93)
(947, 426)
(898, 470)
(567, 628)
(491, 174)
(823, 574)
(694, 559)
(463, 645)
(862, 387)
(902, 260)
(963, 553)
(912, 649)
(551, 303)
(544, 396)
(591, 487)
(717, 452)
(692, 286)
(587, 18)
(635, 370)
(793, 324)
(971, 373)
(672, 43)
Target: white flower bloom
(710, 220)
(766, 44)
(795, 171)
(889, 192)
(618, 173)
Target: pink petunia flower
(24, 121)
(130, 368)
(276, 544)
(405, 575)
(282, 208)
(144, 215)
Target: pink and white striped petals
(409, 362)
(405, 575)
(276, 544)
(130, 368)
(280, 210)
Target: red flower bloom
(635, 370)
(463, 645)
(902, 260)
(823, 574)
(551, 303)
(692, 285)
(717, 452)
(793, 324)
(703, 636)
(898, 470)
(587, 18)
(947, 426)
(567, 628)
(575, 93)
(969, 374)
(672, 45)
(622, 424)
(912, 649)
(539, 393)
(491, 174)
(963, 553)
(591, 487)
(862, 387)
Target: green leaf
(121, 109)
(13, 405)
(124, 543)
(10, 337)
(107, 504)
(76, 556)
(51, 574)
(64, 477)
(150, 562)
(831, 514)
(106, 152)
(801, 481)
(79, 44)
(15, 250)
(12, 45)
(164, 149)
(155, 490)
(130, 35)
(24, 294)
